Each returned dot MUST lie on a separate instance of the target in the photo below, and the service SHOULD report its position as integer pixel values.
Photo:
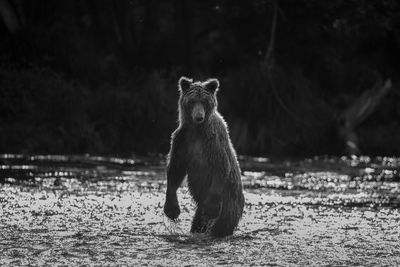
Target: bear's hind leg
(222, 230)
(225, 225)
(200, 223)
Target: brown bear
(202, 150)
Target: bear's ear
(184, 84)
(212, 85)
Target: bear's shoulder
(218, 123)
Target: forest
(298, 77)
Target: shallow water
(70, 210)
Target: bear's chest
(197, 154)
(196, 151)
(198, 169)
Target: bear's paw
(171, 209)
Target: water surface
(70, 210)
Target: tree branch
(269, 55)
(9, 16)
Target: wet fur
(205, 154)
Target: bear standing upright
(202, 150)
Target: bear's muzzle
(198, 113)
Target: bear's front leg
(171, 206)
(176, 171)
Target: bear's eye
(208, 103)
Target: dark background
(101, 76)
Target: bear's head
(198, 100)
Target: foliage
(100, 76)
(41, 111)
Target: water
(70, 210)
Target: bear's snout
(198, 113)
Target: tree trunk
(184, 27)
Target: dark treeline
(100, 76)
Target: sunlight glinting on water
(314, 212)
(17, 167)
